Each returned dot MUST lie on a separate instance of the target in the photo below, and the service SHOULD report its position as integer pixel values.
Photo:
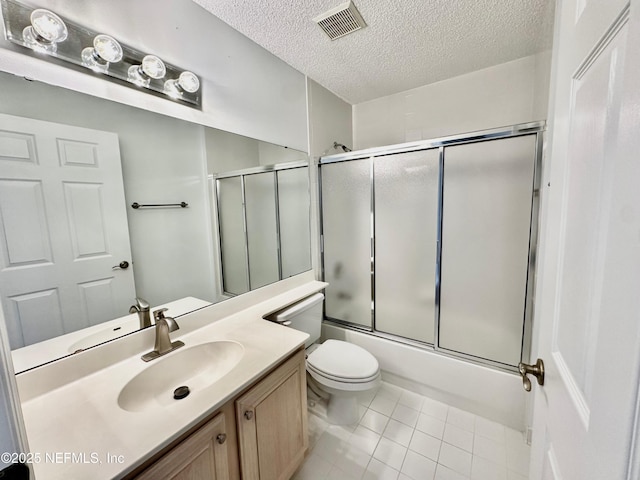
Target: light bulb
(46, 30)
(186, 82)
(151, 67)
(105, 50)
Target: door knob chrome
(123, 265)
(536, 370)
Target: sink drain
(181, 392)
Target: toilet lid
(339, 359)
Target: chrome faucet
(142, 309)
(163, 344)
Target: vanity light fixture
(150, 68)
(105, 50)
(61, 39)
(186, 82)
(46, 30)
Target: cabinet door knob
(248, 414)
(221, 438)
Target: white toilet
(341, 369)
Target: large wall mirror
(75, 253)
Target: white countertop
(75, 425)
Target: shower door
(347, 239)
(433, 243)
(486, 218)
(406, 214)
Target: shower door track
(531, 128)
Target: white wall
(506, 94)
(330, 120)
(245, 89)
(163, 161)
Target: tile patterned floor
(404, 436)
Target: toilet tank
(305, 315)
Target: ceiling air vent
(341, 21)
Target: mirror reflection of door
(63, 229)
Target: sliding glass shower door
(406, 214)
(347, 217)
(433, 243)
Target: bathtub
(484, 391)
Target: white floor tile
(418, 467)
(486, 470)
(398, 432)
(374, 421)
(383, 404)
(461, 418)
(511, 475)
(425, 445)
(455, 458)
(411, 400)
(391, 391)
(458, 437)
(435, 409)
(379, 471)
(353, 461)
(402, 476)
(490, 429)
(430, 425)
(364, 439)
(337, 474)
(490, 450)
(518, 457)
(444, 473)
(329, 447)
(406, 415)
(316, 426)
(390, 453)
(314, 468)
(365, 398)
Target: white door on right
(587, 322)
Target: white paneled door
(588, 309)
(63, 229)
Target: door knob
(123, 265)
(248, 414)
(221, 438)
(536, 370)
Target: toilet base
(343, 410)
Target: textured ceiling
(407, 43)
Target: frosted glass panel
(406, 209)
(485, 242)
(346, 211)
(293, 205)
(232, 237)
(260, 198)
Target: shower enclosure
(263, 225)
(432, 243)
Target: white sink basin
(196, 367)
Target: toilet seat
(343, 365)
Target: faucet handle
(159, 314)
(142, 304)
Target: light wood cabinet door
(272, 423)
(202, 456)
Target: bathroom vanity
(105, 413)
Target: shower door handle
(536, 370)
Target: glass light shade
(48, 25)
(151, 67)
(186, 82)
(189, 82)
(45, 31)
(105, 50)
